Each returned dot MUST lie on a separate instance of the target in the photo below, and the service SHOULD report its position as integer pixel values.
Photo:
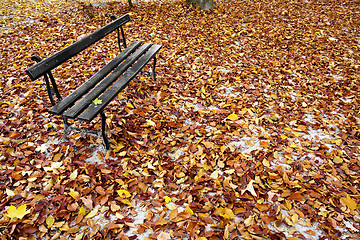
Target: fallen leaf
(250, 188)
(163, 236)
(17, 213)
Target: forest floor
(251, 130)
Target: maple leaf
(17, 213)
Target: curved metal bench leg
(103, 131)
(66, 129)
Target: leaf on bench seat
(97, 101)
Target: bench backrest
(45, 66)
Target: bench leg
(66, 129)
(103, 132)
(153, 70)
(152, 73)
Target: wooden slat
(58, 58)
(60, 107)
(85, 101)
(93, 110)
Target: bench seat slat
(61, 106)
(61, 56)
(93, 110)
(86, 100)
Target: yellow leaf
(97, 101)
(64, 227)
(123, 193)
(283, 136)
(203, 90)
(274, 118)
(126, 201)
(74, 194)
(50, 220)
(18, 213)
(129, 105)
(266, 163)
(56, 164)
(79, 236)
(223, 148)
(148, 123)
(233, 117)
(82, 211)
(201, 238)
(188, 210)
(350, 203)
(228, 214)
(73, 230)
(74, 174)
(293, 145)
(92, 213)
(167, 199)
(338, 160)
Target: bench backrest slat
(39, 69)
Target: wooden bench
(90, 99)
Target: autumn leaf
(50, 220)
(92, 213)
(123, 193)
(148, 123)
(349, 202)
(127, 202)
(17, 213)
(97, 101)
(250, 188)
(228, 213)
(167, 199)
(163, 236)
(233, 117)
(189, 210)
(74, 174)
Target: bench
(89, 100)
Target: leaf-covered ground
(251, 131)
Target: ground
(251, 130)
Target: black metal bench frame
(103, 86)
